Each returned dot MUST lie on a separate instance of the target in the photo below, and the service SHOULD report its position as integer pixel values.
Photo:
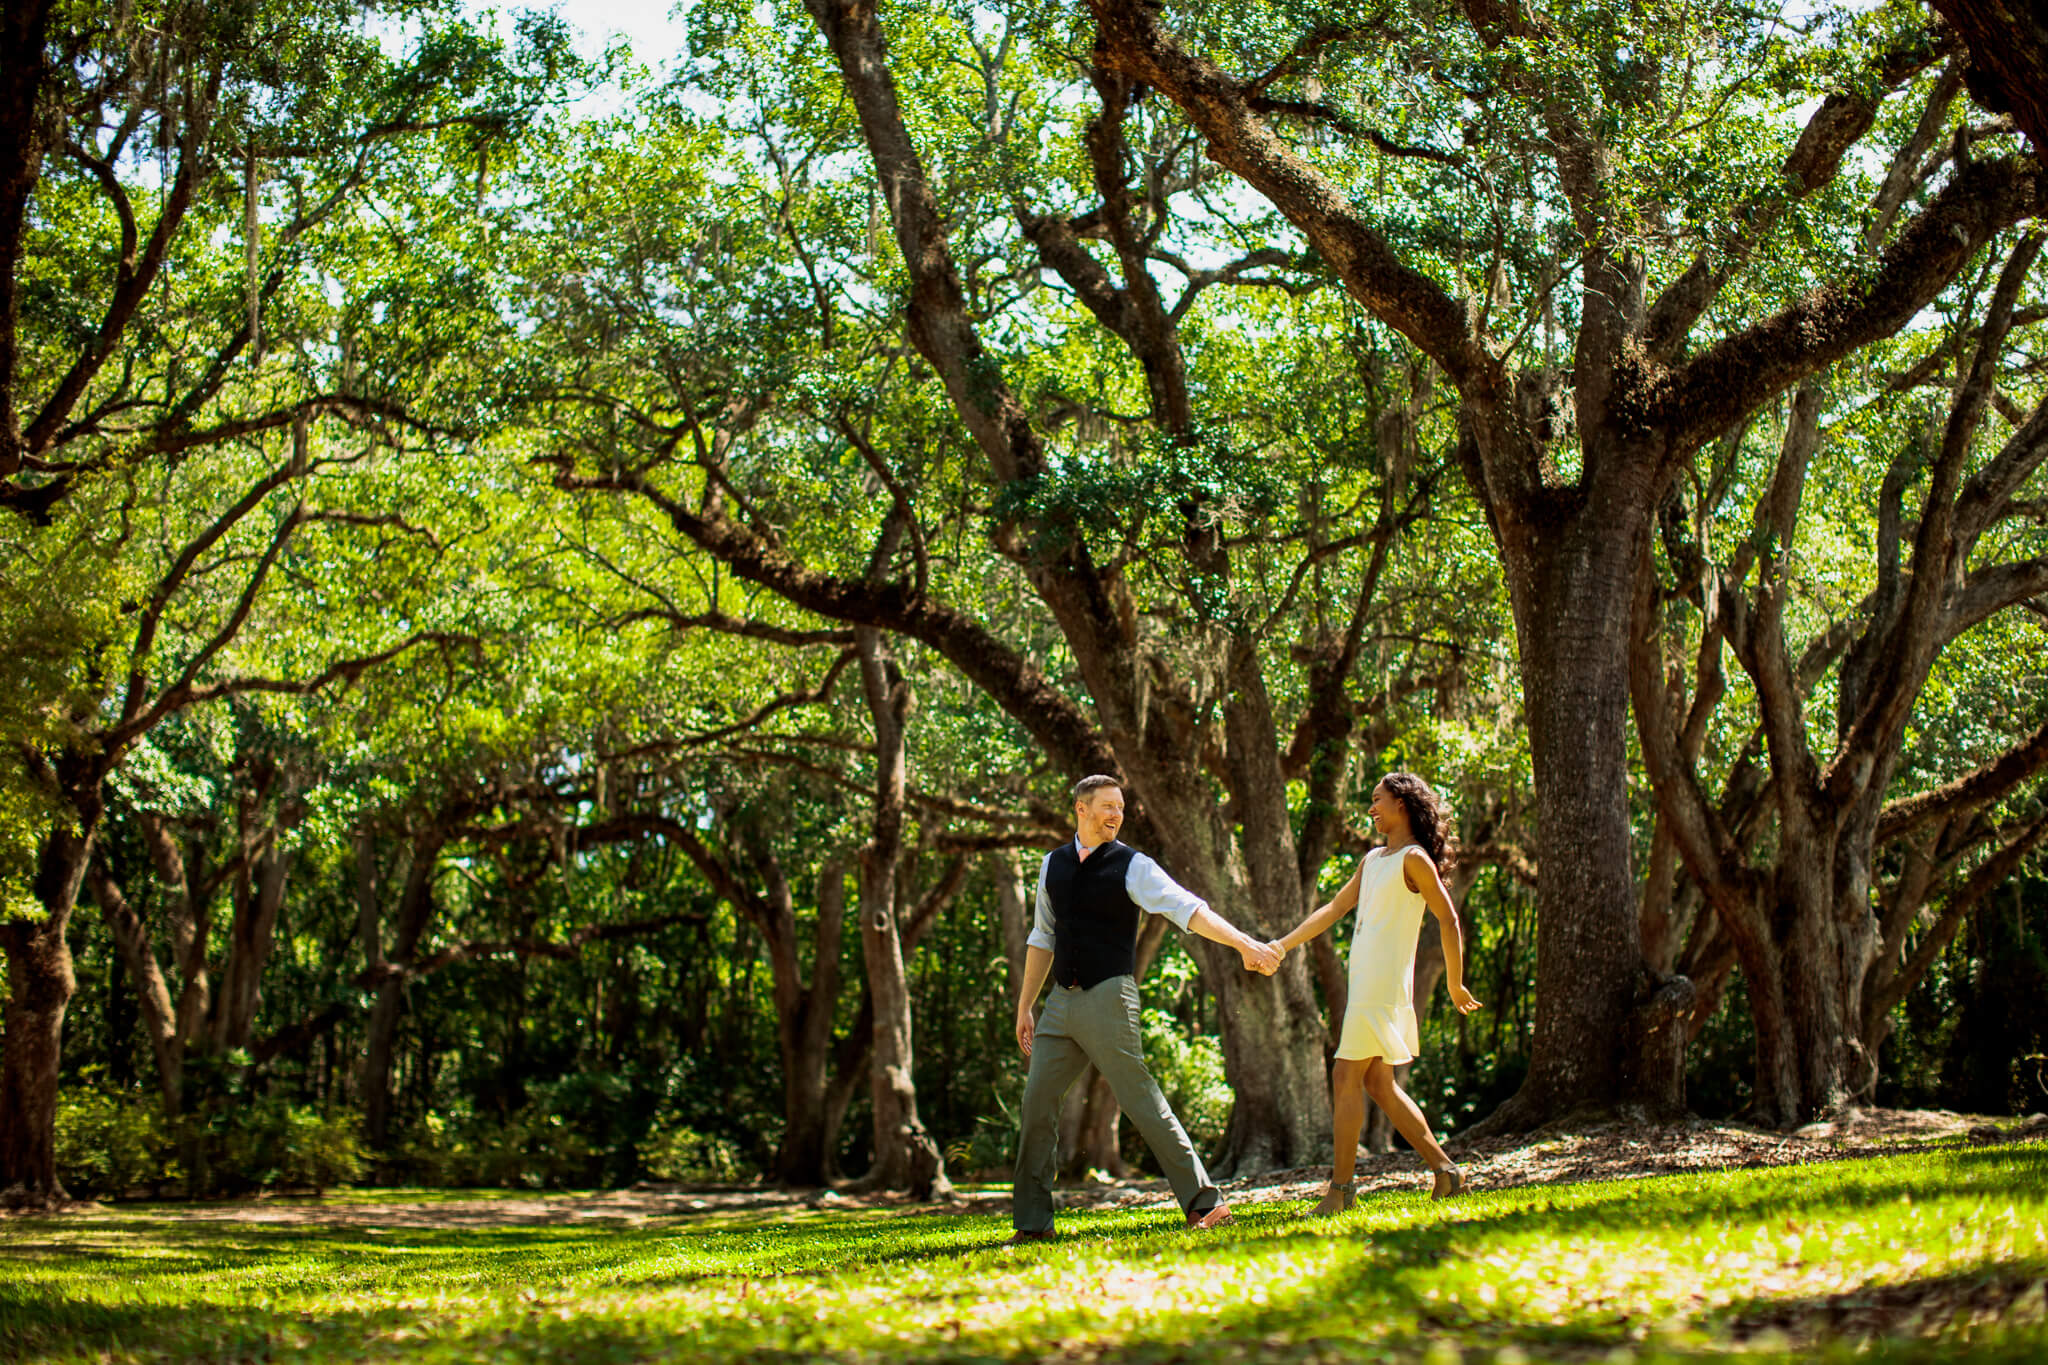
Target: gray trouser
(1099, 1025)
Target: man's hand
(1259, 957)
(1025, 1031)
(1462, 999)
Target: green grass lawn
(1938, 1256)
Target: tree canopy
(542, 634)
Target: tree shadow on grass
(820, 1247)
(1631, 1205)
(1350, 1290)
(1994, 1313)
(2008, 1300)
(1261, 1333)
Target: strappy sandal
(1448, 1181)
(1347, 1200)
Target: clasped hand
(1263, 958)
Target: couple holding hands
(1091, 892)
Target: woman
(1390, 888)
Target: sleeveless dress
(1379, 1007)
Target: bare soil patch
(1616, 1151)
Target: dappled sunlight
(1946, 1248)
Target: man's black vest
(1094, 920)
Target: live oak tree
(204, 836)
(162, 604)
(181, 188)
(1623, 253)
(768, 749)
(135, 137)
(2008, 46)
(1792, 852)
(1128, 522)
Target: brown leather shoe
(1214, 1218)
(1021, 1238)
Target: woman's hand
(1462, 1000)
(1259, 957)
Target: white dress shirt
(1145, 882)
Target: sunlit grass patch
(1937, 1256)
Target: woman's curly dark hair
(1429, 819)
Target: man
(1084, 937)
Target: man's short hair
(1085, 789)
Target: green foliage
(111, 1142)
(678, 1152)
(531, 1149)
(699, 295)
(270, 1143)
(1190, 1073)
(1107, 501)
(1969, 1037)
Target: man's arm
(1156, 893)
(1258, 957)
(1037, 967)
(1037, 961)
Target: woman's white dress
(1379, 1008)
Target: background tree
(131, 346)
(1568, 204)
(2008, 71)
(1129, 550)
(1790, 857)
(816, 455)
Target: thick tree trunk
(1091, 1131)
(851, 1056)
(258, 902)
(378, 1050)
(1606, 1034)
(2008, 43)
(1016, 892)
(416, 908)
(146, 981)
(1272, 1036)
(801, 1156)
(1271, 1030)
(804, 1030)
(905, 1155)
(1804, 966)
(39, 986)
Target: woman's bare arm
(1339, 906)
(1420, 870)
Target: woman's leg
(1347, 1118)
(1407, 1119)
